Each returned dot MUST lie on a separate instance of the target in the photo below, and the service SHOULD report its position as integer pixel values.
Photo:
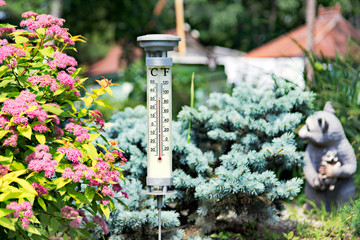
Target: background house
(284, 56)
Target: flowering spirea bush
(54, 183)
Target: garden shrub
(238, 142)
(54, 183)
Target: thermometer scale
(159, 115)
(159, 108)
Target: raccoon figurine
(329, 158)
(325, 133)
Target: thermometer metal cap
(156, 47)
(158, 42)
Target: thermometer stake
(159, 149)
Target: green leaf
(26, 132)
(58, 156)
(79, 197)
(90, 225)
(65, 237)
(104, 103)
(8, 158)
(102, 146)
(59, 91)
(40, 31)
(32, 229)
(4, 83)
(94, 136)
(41, 203)
(17, 166)
(37, 64)
(21, 39)
(32, 108)
(8, 223)
(48, 52)
(32, 148)
(3, 133)
(88, 101)
(60, 182)
(109, 91)
(10, 195)
(71, 105)
(90, 148)
(41, 138)
(7, 25)
(54, 225)
(48, 197)
(52, 109)
(111, 205)
(25, 184)
(121, 202)
(74, 74)
(4, 212)
(14, 174)
(89, 193)
(105, 210)
(82, 112)
(3, 70)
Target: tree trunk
(310, 20)
(56, 8)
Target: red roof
(109, 64)
(331, 35)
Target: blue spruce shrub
(238, 142)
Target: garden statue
(330, 160)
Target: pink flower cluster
(12, 63)
(70, 213)
(82, 214)
(98, 118)
(12, 140)
(102, 223)
(24, 208)
(40, 128)
(71, 153)
(109, 157)
(10, 50)
(40, 114)
(66, 79)
(41, 160)
(20, 105)
(61, 60)
(4, 169)
(58, 131)
(28, 14)
(80, 132)
(100, 176)
(106, 191)
(41, 190)
(3, 121)
(53, 25)
(117, 188)
(6, 30)
(120, 155)
(2, 3)
(44, 80)
(3, 42)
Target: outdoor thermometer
(159, 106)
